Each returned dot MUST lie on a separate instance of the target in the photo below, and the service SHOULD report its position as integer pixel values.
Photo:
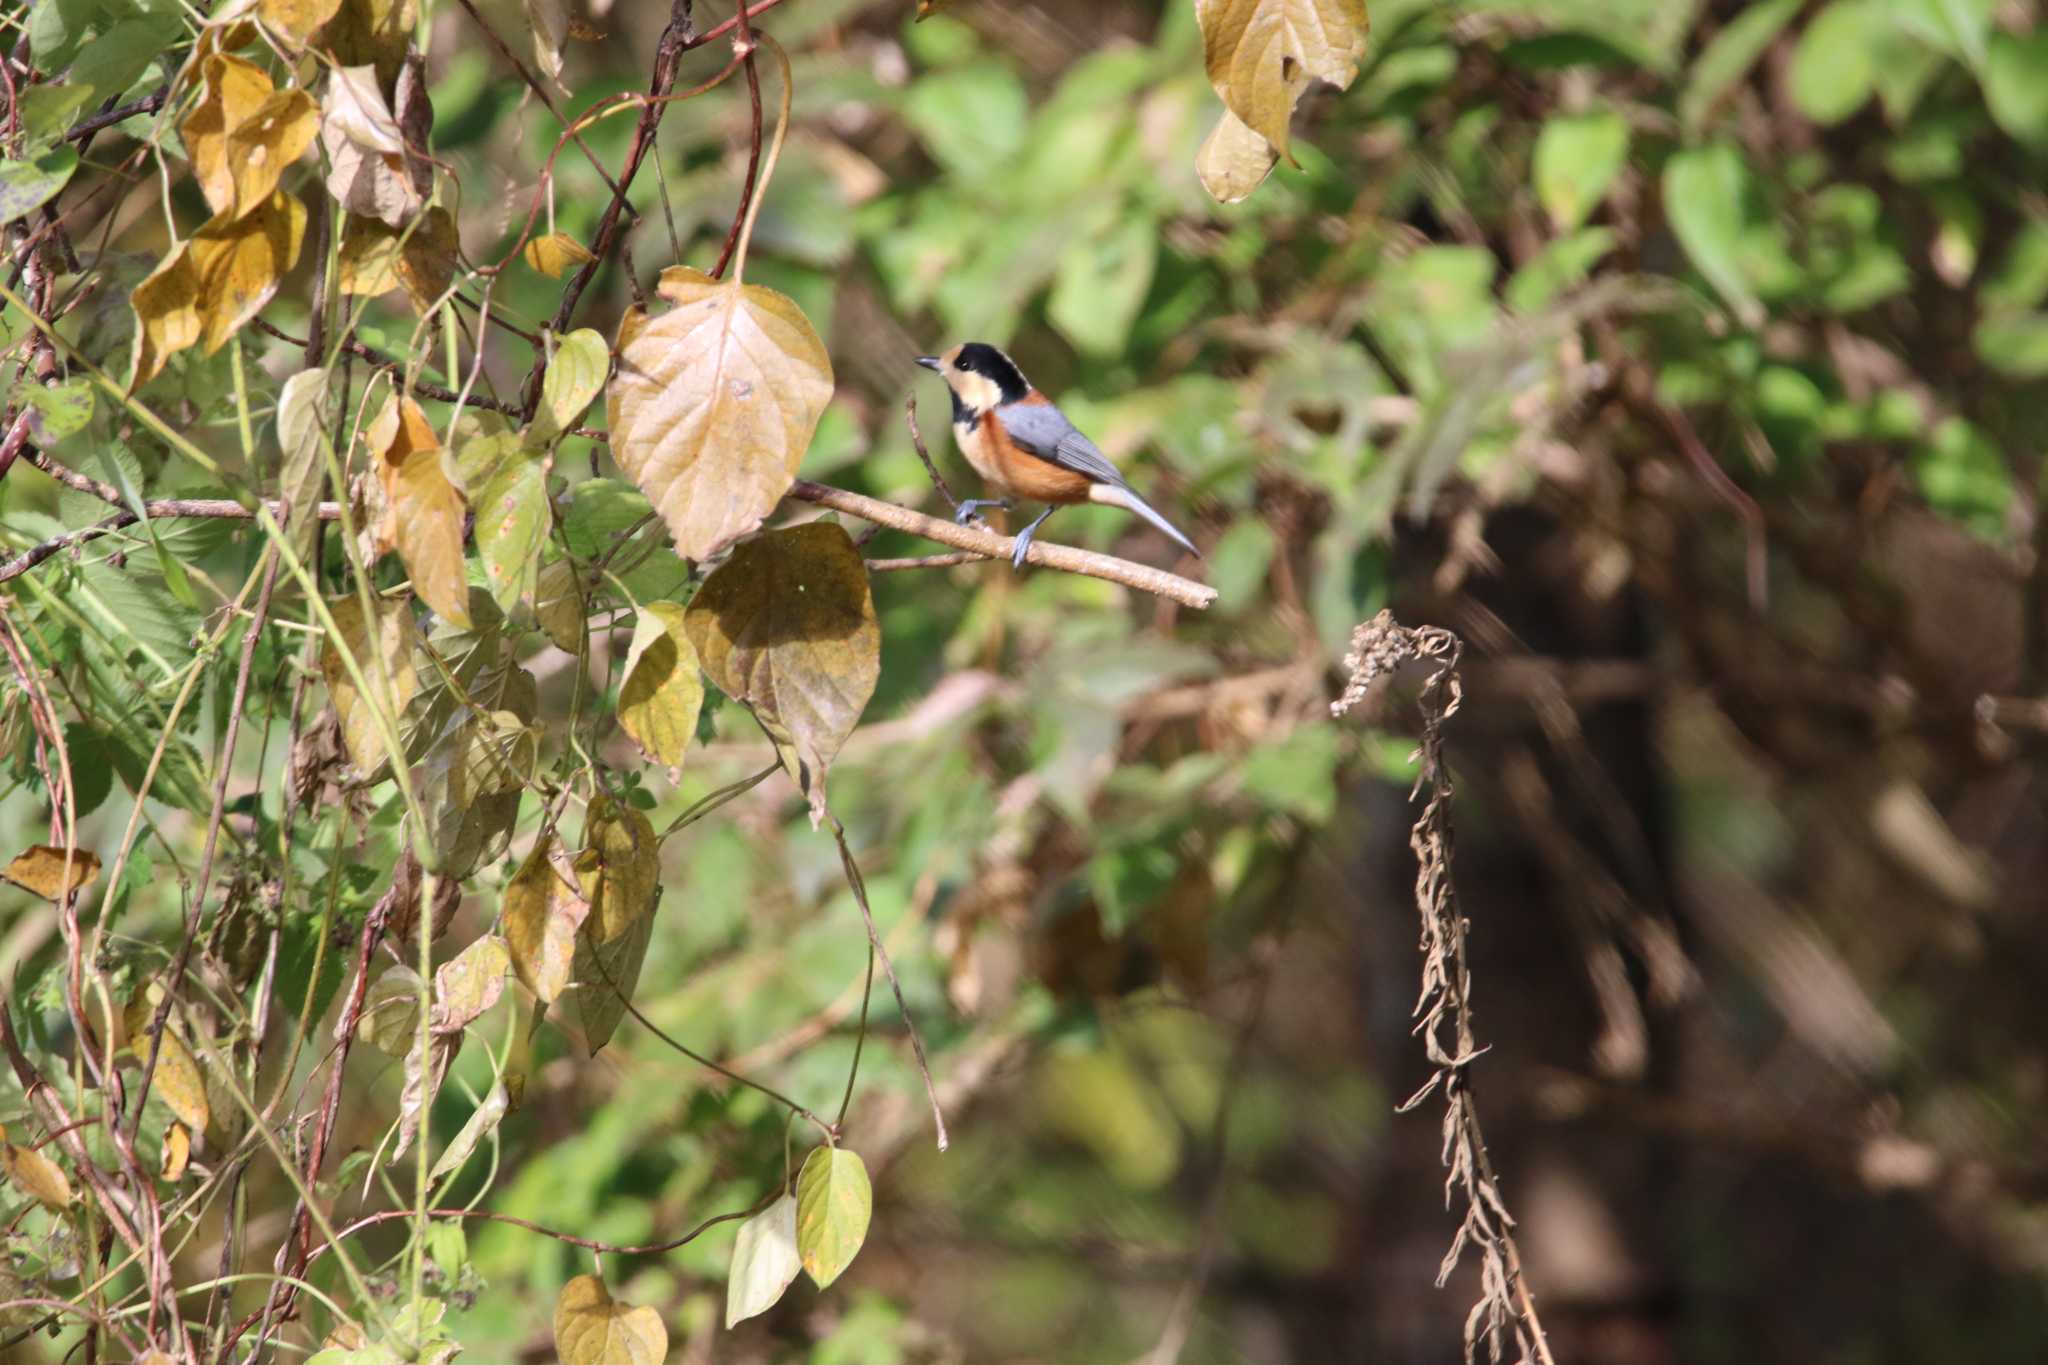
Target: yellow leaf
(239, 262)
(662, 693)
(555, 253)
(512, 521)
(166, 313)
(178, 1079)
(541, 914)
(592, 1328)
(388, 636)
(1261, 54)
(787, 625)
(177, 1153)
(469, 983)
(833, 1204)
(630, 858)
(259, 149)
(296, 20)
(575, 375)
(425, 509)
(368, 259)
(1234, 160)
(235, 89)
(46, 871)
(714, 404)
(36, 1176)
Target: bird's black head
(978, 357)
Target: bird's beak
(930, 362)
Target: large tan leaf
(714, 404)
(239, 262)
(662, 692)
(389, 636)
(787, 625)
(1261, 53)
(370, 172)
(235, 89)
(469, 983)
(262, 146)
(592, 1328)
(166, 313)
(425, 509)
(1234, 160)
(50, 873)
(542, 912)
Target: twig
(607, 1248)
(148, 104)
(917, 440)
(534, 84)
(988, 545)
(946, 561)
(744, 42)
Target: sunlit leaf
(26, 186)
(630, 859)
(1260, 54)
(764, 1262)
(368, 257)
(35, 1175)
(166, 313)
(47, 871)
(833, 1205)
(296, 20)
(469, 983)
(56, 410)
(574, 378)
(591, 1328)
(238, 263)
(482, 1120)
(369, 169)
(552, 254)
(1834, 68)
(305, 408)
(388, 636)
(425, 508)
(714, 404)
(177, 1153)
(1234, 160)
(541, 915)
(177, 1081)
(787, 625)
(235, 88)
(1704, 189)
(512, 521)
(662, 692)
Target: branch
(989, 545)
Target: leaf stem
(739, 260)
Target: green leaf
(512, 522)
(1834, 68)
(1102, 283)
(26, 186)
(1729, 57)
(575, 377)
(481, 1122)
(112, 62)
(973, 120)
(1955, 27)
(60, 411)
(764, 1262)
(1577, 157)
(49, 110)
(833, 1204)
(1963, 474)
(1559, 266)
(2014, 344)
(2016, 85)
(1705, 189)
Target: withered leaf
(1234, 160)
(387, 635)
(178, 1080)
(558, 605)
(234, 89)
(787, 625)
(237, 264)
(35, 1175)
(592, 1328)
(630, 862)
(177, 1153)
(714, 404)
(662, 692)
(541, 916)
(1261, 54)
(391, 1011)
(47, 871)
(469, 983)
(425, 509)
(553, 253)
(296, 20)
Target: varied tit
(1025, 447)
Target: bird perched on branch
(1024, 447)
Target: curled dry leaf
(1234, 160)
(662, 691)
(833, 1205)
(542, 913)
(764, 1262)
(592, 1328)
(424, 507)
(787, 625)
(549, 21)
(714, 404)
(1262, 53)
(388, 636)
(482, 1120)
(35, 1175)
(243, 133)
(50, 873)
(177, 1153)
(553, 254)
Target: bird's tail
(1124, 496)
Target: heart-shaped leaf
(541, 915)
(592, 1328)
(714, 404)
(1262, 53)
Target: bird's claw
(966, 512)
(1022, 547)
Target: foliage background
(1685, 358)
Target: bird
(1025, 447)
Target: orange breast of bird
(1017, 472)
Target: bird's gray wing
(1043, 430)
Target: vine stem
(739, 260)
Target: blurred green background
(1685, 358)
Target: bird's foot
(966, 511)
(1023, 545)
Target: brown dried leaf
(35, 1175)
(426, 510)
(45, 870)
(388, 636)
(714, 404)
(426, 263)
(541, 916)
(558, 605)
(549, 22)
(787, 625)
(1261, 54)
(368, 260)
(662, 692)
(1234, 160)
(591, 1328)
